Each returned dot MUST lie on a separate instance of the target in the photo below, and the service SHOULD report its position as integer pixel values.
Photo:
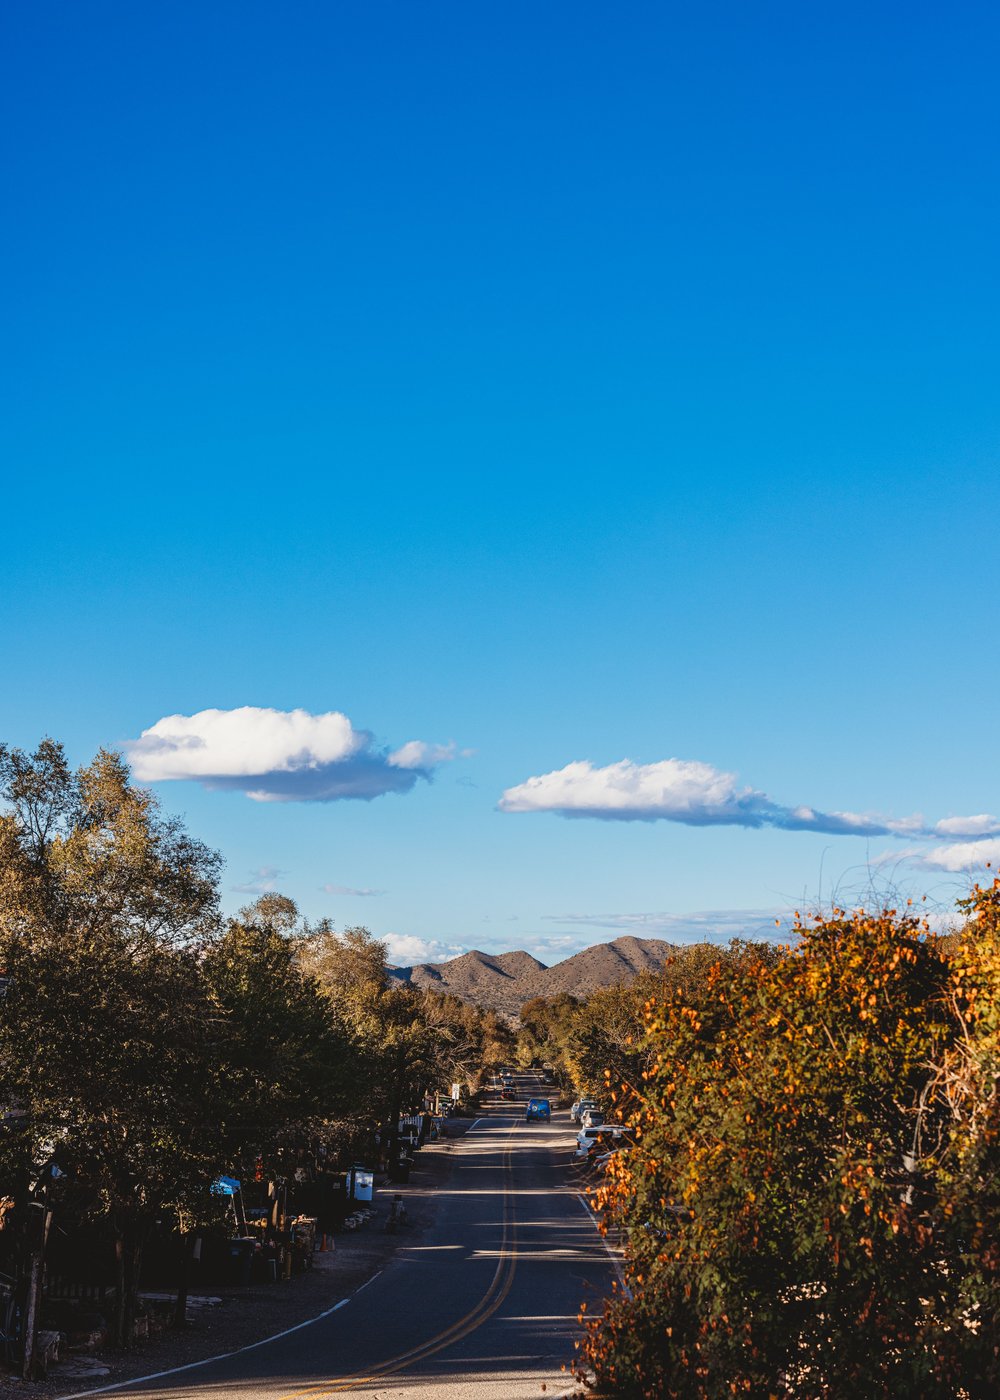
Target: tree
(467, 1038)
(812, 1205)
(547, 1032)
(406, 1041)
(282, 1058)
(104, 904)
(379, 1015)
(352, 970)
(607, 1054)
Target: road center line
(452, 1334)
(491, 1300)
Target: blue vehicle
(539, 1109)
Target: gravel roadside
(248, 1315)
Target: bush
(813, 1205)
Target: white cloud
(960, 855)
(405, 949)
(674, 789)
(983, 825)
(242, 743)
(696, 794)
(279, 755)
(945, 920)
(678, 790)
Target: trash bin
(241, 1260)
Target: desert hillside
(506, 980)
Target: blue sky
(563, 384)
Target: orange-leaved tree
(812, 1205)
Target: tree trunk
(187, 1253)
(31, 1315)
(128, 1257)
(395, 1108)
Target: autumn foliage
(813, 1204)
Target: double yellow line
(491, 1300)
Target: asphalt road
(483, 1307)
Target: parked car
(592, 1118)
(603, 1153)
(539, 1110)
(580, 1108)
(587, 1138)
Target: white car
(603, 1158)
(580, 1108)
(587, 1137)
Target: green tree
(283, 1060)
(607, 1055)
(466, 1038)
(547, 1032)
(104, 1048)
(381, 1016)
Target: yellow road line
(492, 1299)
(378, 1373)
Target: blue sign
(225, 1186)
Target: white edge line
(359, 1289)
(614, 1259)
(475, 1125)
(223, 1355)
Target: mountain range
(505, 981)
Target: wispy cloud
(696, 794)
(280, 755)
(420, 756)
(349, 889)
(262, 881)
(704, 926)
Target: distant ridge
(603, 965)
(506, 981)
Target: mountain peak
(505, 981)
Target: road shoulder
(248, 1316)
